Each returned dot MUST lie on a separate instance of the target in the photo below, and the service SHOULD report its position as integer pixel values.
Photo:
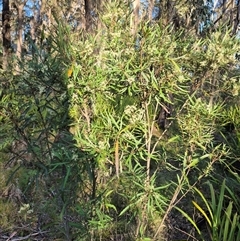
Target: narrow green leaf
(177, 68)
(228, 214)
(66, 176)
(202, 212)
(173, 139)
(213, 198)
(234, 227)
(193, 163)
(206, 202)
(125, 210)
(220, 202)
(108, 205)
(189, 219)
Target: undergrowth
(104, 136)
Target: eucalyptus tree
(19, 7)
(6, 32)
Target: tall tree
(19, 5)
(150, 9)
(6, 32)
(87, 6)
(135, 16)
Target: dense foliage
(105, 135)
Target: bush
(119, 129)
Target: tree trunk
(20, 7)
(87, 5)
(6, 33)
(135, 17)
(150, 9)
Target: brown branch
(8, 238)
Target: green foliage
(219, 213)
(90, 151)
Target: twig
(188, 234)
(8, 238)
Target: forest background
(119, 120)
